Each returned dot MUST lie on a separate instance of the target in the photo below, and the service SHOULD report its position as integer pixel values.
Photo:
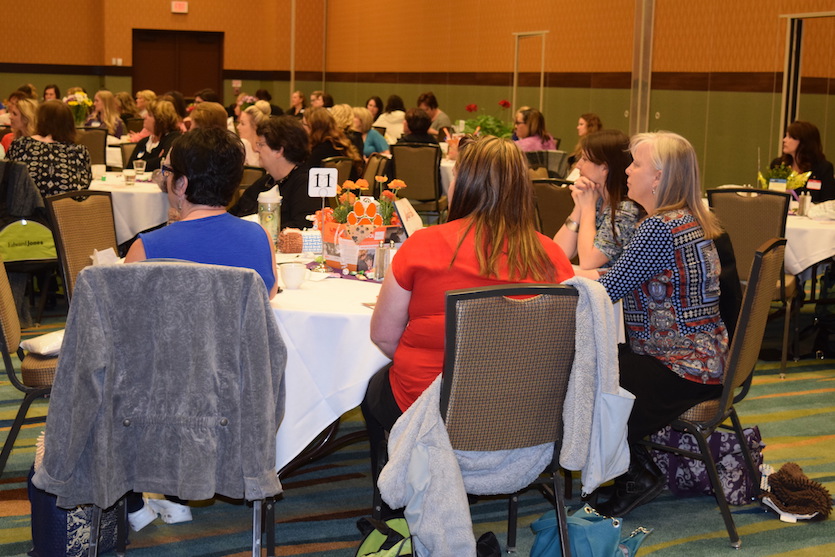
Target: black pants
(380, 411)
(660, 395)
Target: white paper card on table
(409, 218)
(321, 182)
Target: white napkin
(104, 257)
(45, 345)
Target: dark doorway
(185, 61)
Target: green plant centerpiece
(488, 124)
(783, 172)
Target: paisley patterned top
(668, 278)
(626, 222)
(55, 167)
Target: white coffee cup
(129, 174)
(293, 274)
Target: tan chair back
(9, 320)
(343, 166)
(127, 150)
(506, 365)
(134, 125)
(95, 139)
(375, 166)
(82, 221)
(750, 217)
(553, 205)
(418, 164)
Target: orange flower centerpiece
(358, 219)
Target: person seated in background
(603, 219)
(375, 106)
(320, 99)
(586, 124)
(327, 140)
(162, 123)
(247, 126)
(343, 114)
(373, 142)
(51, 92)
(14, 96)
(490, 239)
(206, 95)
(392, 119)
(668, 278)
(23, 120)
(529, 127)
(126, 106)
(200, 175)
(179, 103)
(264, 95)
(143, 99)
(803, 152)
(208, 115)
(298, 102)
(56, 163)
(416, 128)
(283, 148)
(105, 114)
(441, 124)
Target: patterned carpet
(322, 502)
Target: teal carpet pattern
(323, 501)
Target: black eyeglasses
(160, 177)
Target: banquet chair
(251, 175)
(127, 150)
(553, 205)
(553, 161)
(36, 372)
(342, 165)
(418, 165)
(82, 221)
(95, 139)
(750, 217)
(195, 422)
(134, 124)
(377, 165)
(704, 418)
(506, 367)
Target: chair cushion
(702, 412)
(37, 370)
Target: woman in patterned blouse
(668, 278)
(603, 219)
(56, 163)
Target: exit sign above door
(179, 7)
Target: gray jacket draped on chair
(170, 380)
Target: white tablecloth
(135, 208)
(446, 174)
(808, 242)
(330, 357)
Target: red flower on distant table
(504, 103)
(472, 108)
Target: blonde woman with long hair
(23, 119)
(106, 114)
(668, 278)
(248, 129)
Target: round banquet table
(808, 241)
(330, 357)
(135, 208)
